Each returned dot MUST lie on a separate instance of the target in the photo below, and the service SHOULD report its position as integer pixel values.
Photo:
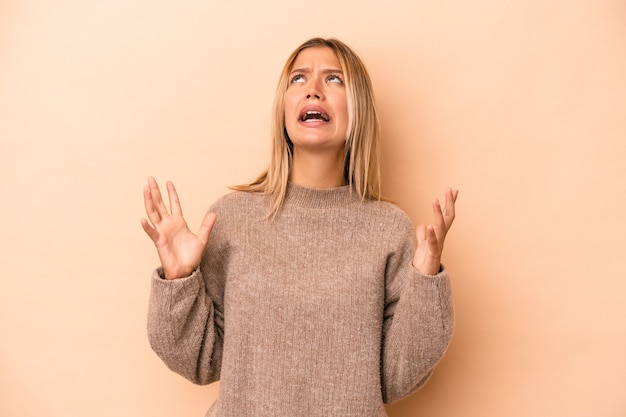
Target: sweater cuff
(158, 274)
(171, 291)
(443, 273)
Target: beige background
(520, 104)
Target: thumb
(420, 234)
(206, 227)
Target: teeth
(315, 114)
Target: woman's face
(316, 110)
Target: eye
(298, 78)
(334, 79)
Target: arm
(417, 329)
(418, 318)
(184, 326)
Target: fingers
(449, 211)
(430, 238)
(151, 210)
(443, 218)
(206, 227)
(440, 223)
(157, 200)
(433, 243)
(153, 201)
(427, 258)
(420, 233)
(426, 234)
(175, 207)
(150, 231)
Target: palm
(176, 244)
(421, 253)
(430, 238)
(179, 249)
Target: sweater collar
(299, 195)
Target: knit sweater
(318, 312)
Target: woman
(310, 297)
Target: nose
(314, 90)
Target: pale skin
(316, 82)
(179, 249)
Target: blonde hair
(362, 159)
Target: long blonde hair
(362, 156)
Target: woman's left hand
(430, 238)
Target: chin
(316, 141)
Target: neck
(317, 170)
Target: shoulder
(238, 201)
(237, 208)
(381, 225)
(381, 221)
(387, 213)
(235, 211)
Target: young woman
(304, 292)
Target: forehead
(317, 56)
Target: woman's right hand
(179, 249)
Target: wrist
(171, 275)
(429, 269)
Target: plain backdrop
(521, 104)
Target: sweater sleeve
(418, 320)
(185, 328)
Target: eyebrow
(324, 71)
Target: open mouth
(312, 115)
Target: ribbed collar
(298, 195)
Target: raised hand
(430, 238)
(179, 249)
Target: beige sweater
(316, 313)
